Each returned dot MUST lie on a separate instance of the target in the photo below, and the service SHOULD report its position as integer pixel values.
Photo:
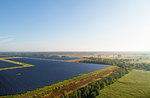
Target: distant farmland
(136, 84)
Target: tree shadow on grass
(127, 83)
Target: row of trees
(123, 63)
(92, 89)
(144, 66)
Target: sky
(74, 25)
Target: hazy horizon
(74, 26)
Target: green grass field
(136, 84)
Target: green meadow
(136, 84)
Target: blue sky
(74, 25)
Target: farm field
(44, 73)
(136, 84)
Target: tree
(93, 95)
(97, 91)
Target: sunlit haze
(74, 25)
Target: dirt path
(78, 84)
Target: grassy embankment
(67, 85)
(136, 84)
(14, 62)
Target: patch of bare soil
(77, 84)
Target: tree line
(92, 89)
(118, 62)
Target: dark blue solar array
(55, 58)
(4, 64)
(44, 73)
(42, 57)
(1, 56)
